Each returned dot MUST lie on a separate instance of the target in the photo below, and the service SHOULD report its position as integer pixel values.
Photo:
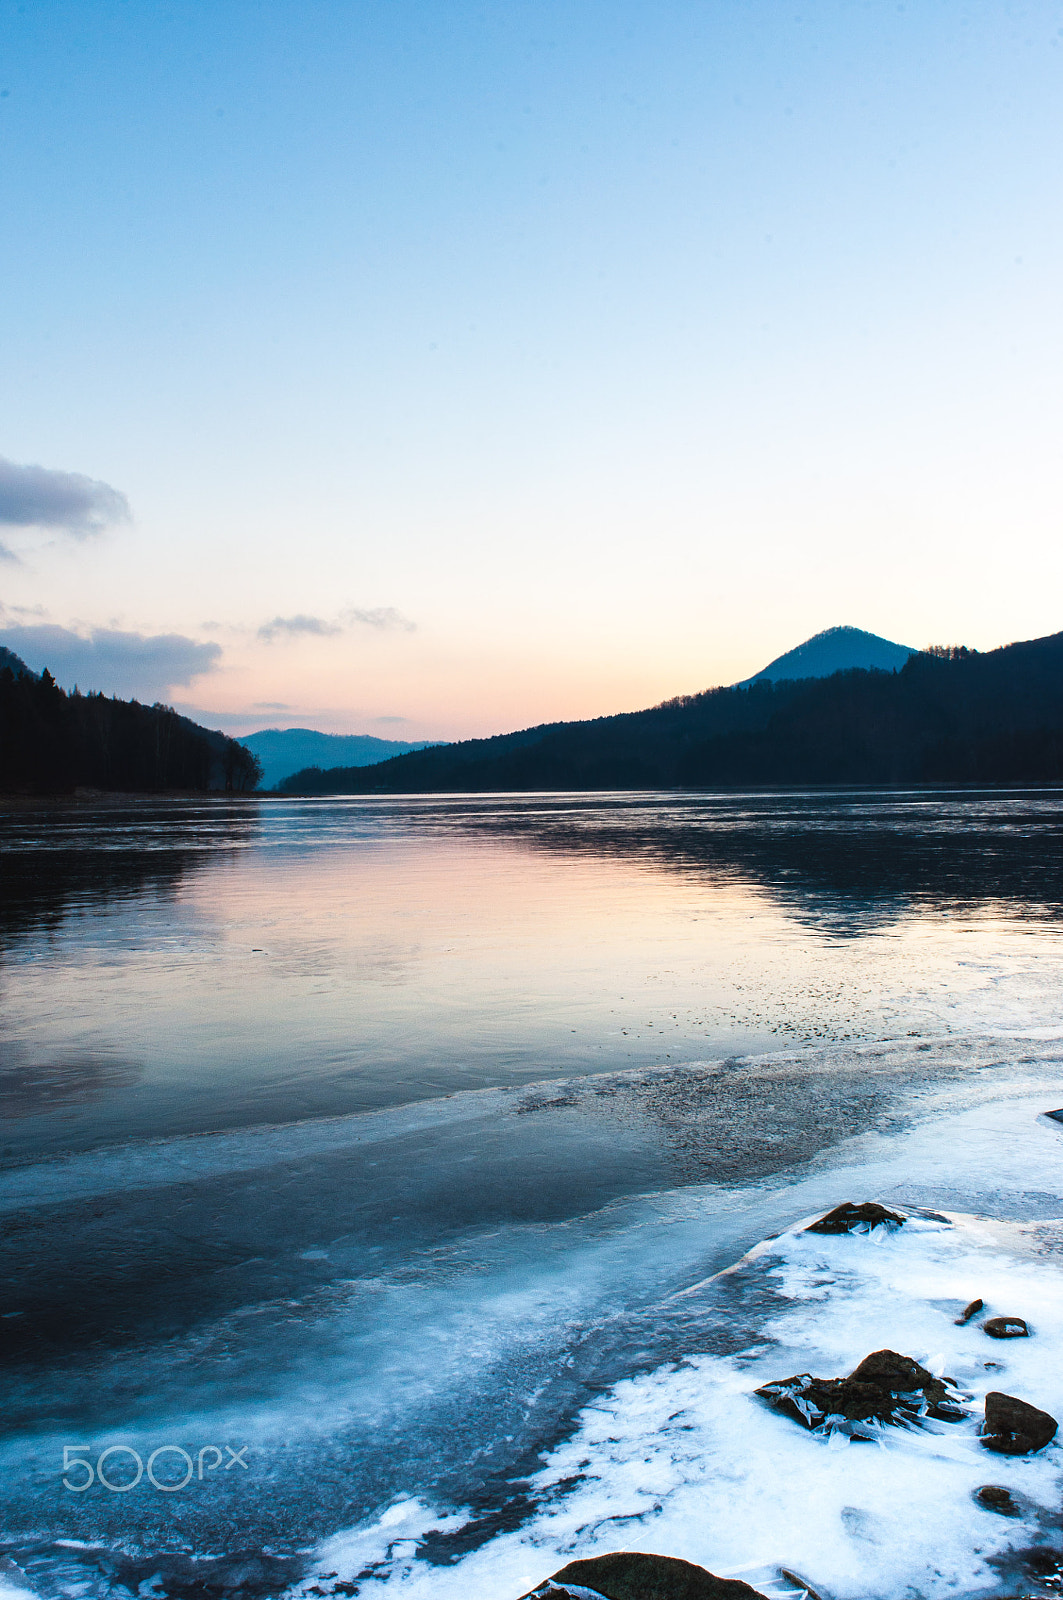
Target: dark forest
(52, 742)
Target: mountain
(283, 751)
(950, 715)
(834, 650)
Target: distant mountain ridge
(283, 751)
(949, 715)
(834, 650)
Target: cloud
(391, 719)
(9, 611)
(353, 616)
(297, 624)
(145, 666)
(380, 617)
(38, 497)
(271, 705)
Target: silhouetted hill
(283, 751)
(834, 650)
(52, 742)
(947, 716)
(9, 659)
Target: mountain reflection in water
(195, 966)
(846, 860)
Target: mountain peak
(834, 650)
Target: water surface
(198, 967)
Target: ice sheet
(684, 1460)
(673, 1454)
(694, 1085)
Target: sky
(445, 368)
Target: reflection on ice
(272, 961)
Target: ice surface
(409, 1404)
(693, 1087)
(12, 1588)
(684, 1460)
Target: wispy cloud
(322, 627)
(146, 666)
(379, 617)
(17, 613)
(270, 705)
(69, 502)
(300, 623)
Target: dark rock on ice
(885, 1387)
(993, 1497)
(816, 1402)
(1006, 1328)
(969, 1312)
(632, 1575)
(796, 1580)
(1015, 1428)
(896, 1372)
(852, 1218)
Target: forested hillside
(53, 742)
(950, 715)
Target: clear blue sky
(474, 365)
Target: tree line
(52, 742)
(950, 715)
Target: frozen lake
(374, 1138)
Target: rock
(993, 1497)
(798, 1582)
(1006, 1328)
(1015, 1428)
(550, 1591)
(632, 1575)
(851, 1218)
(971, 1311)
(896, 1372)
(885, 1387)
